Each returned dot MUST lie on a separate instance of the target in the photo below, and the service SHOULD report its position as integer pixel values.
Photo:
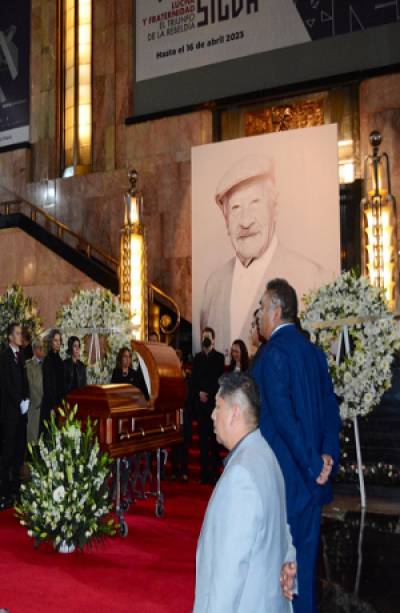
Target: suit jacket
(245, 539)
(206, 370)
(299, 414)
(301, 272)
(13, 385)
(34, 371)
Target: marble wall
(43, 274)
(92, 205)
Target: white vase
(63, 547)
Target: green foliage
(15, 306)
(67, 498)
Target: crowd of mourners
(34, 381)
(276, 414)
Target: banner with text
(15, 19)
(177, 35)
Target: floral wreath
(361, 378)
(93, 314)
(15, 306)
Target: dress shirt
(17, 353)
(236, 447)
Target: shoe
(185, 477)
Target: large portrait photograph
(262, 207)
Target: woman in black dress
(53, 377)
(74, 369)
(124, 373)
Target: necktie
(17, 357)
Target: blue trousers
(305, 528)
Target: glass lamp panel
(85, 94)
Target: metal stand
(359, 552)
(119, 507)
(360, 464)
(130, 476)
(345, 341)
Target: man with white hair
(248, 199)
(245, 559)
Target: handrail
(164, 326)
(83, 245)
(62, 229)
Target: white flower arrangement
(360, 379)
(66, 499)
(15, 306)
(96, 312)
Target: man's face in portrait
(249, 210)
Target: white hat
(246, 168)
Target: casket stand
(129, 425)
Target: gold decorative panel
(304, 114)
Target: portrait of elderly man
(248, 198)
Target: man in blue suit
(300, 420)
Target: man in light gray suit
(34, 371)
(245, 559)
(248, 199)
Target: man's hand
(287, 579)
(326, 470)
(203, 397)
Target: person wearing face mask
(248, 199)
(208, 366)
(53, 377)
(74, 369)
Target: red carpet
(150, 571)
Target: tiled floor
(359, 563)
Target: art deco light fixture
(379, 223)
(77, 81)
(132, 273)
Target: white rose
(59, 494)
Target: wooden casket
(126, 422)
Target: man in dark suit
(300, 420)
(208, 366)
(14, 407)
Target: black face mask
(206, 344)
